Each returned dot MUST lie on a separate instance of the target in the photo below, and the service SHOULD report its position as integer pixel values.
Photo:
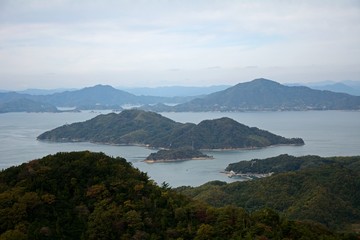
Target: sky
(131, 43)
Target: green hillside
(326, 191)
(281, 163)
(83, 195)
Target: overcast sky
(126, 43)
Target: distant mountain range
(35, 91)
(26, 105)
(96, 97)
(133, 127)
(266, 95)
(349, 87)
(256, 95)
(179, 91)
(103, 95)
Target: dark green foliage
(83, 195)
(226, 133)
(148, 128)
(130, 126)
(176, 154)
(281, 163)
(311, 188)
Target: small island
(178, 154)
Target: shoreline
(177, 160)
(247, 148)
(247, 176)
(162, 148)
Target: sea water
(326, 133)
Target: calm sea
(326, 133)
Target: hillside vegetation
(152, 129)
(84, 195)
(281, 163)
(310, 188)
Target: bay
(326, 133)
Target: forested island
(176, 155)
(84, 195)
(138, 127)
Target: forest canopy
(307, 188)
(84, 195)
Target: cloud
(123, 38)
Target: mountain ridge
(94, 97)
(256, 95)
(267, 95)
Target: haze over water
(326, 133)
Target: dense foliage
(263, 94)
(226, 133)
(281, 163)
(149, 128)
(83, 195)
(327, 192)
(177, 154)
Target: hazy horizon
(349, 83)
(75, 44)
